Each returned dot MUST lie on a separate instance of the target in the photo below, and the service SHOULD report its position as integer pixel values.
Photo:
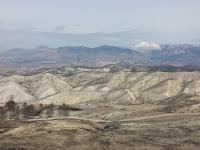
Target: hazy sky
(100, 15)
(88, 16)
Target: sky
(169, 20)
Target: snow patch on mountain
(144, 47)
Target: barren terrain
(173, 132)
(121, 109)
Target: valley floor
(169, 131)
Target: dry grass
(172, 132)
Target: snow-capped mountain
(146, 48)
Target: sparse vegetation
(29, 110)
(13, 110)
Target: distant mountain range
(173, 55)
(177, 55)
(81, 56)
(145, 55)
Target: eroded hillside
(104, 86)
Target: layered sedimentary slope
(102, 86)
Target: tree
(29, 110)
(60, 110)
(10, 105)
(52, 105)
(24, 105)
(65, 109)
(2, 113)
(49, 112)
(41, 106)
(17, 113)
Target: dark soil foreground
(170, 132)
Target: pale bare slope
(11, 89)
(102, 87)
